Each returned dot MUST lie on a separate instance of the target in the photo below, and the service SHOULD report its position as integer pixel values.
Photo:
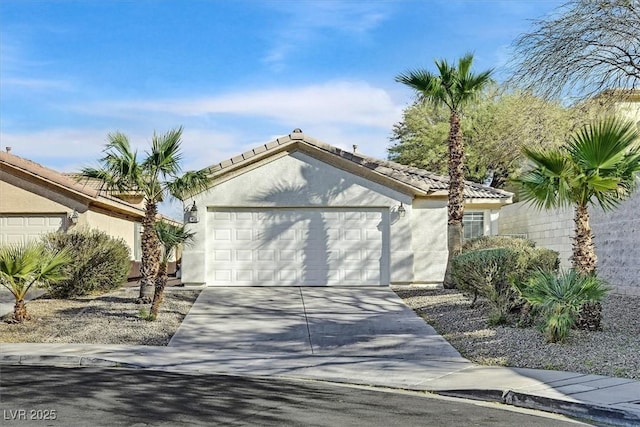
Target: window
(473, 225)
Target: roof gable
(36, 172)
(412, 180)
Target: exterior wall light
(401, 210)
(192, 214)
(73, 218)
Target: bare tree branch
(583, 49)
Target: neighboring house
(299, 212)
(35, 200)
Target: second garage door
(297, 247)
(25, 228)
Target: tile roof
(419, 179)
(45, 173)
(90, 190)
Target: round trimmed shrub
(100, 263)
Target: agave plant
(560, 297)
(25, 266)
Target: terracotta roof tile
(418, 178)
(45, 173)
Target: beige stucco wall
(115, 227)
(21, 196)
(429, 244)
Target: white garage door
(297, 247)
(24, 228)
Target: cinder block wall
(617, 237)
(549, 229)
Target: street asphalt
(36, 395)
(362, 336)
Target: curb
(583, 411)
(603, 414)
(51, 360)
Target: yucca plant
(23, 266)
(559, 298)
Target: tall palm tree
(454, 87)
(154, 177)
(598, 165)
(171, 236)
(23, 266)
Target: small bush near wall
(488, 267)
(99, 263)
(488, 242)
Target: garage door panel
(25, 228)
(296, 247)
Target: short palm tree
(28, 265)
(598, 165)
(560, 298)
(171, 236)
(454, 87)
(154, 177)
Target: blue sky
(235, 74)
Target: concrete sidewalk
(304, 335)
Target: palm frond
(165, 155)
(189, 184)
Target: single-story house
(298, 212)
(35, 200)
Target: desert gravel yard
(112, 318)
(614, 351)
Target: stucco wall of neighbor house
(22, 196)
(114, 227)
(616, 236)
(299, 180)
(551, 229)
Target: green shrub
(490, 273)
(100, 263)
(491, 242)
(559, 298)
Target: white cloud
(34, 84)
(67, 150)
(303, 23)
(354, 103)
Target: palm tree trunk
(456, 195)
(584, 254)
(20, 311)
(584, 261)
(158, 295)
(151, 253)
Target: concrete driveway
(309, 321)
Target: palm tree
(598, 165)
(453, 87)
(154, 177)
(23, 266)
(171, 236)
